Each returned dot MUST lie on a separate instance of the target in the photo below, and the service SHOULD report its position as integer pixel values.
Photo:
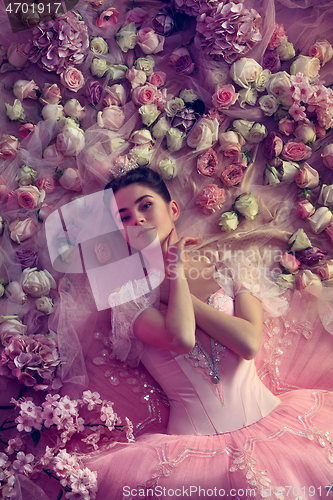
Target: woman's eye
(125, 218)
(146, 205)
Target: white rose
(145, 64)
(285, 280)
(173, 106)
(278, 83)
(67, 123)
(306, 132)
(299, 241)
(117, 72)
(245, 71)
(74, 109)
(243, 127)
(149, 113)
(320, 219)
(44, 304)
(168, 168)
(14, 293)
(247, 96)
(271, 176)
(141, 154)
(116, 143)
(37, 283)
(289, 169)
(115, 95)
(126, 37)
(160, 128)
(99, 46)
(99, 67)
(10, 326)
(246, 205)
(285, 50)
(52, 112)
(308, 66)
(112, 118)
(326, 195)
(188, 95)
(140, 137)
(25, 175)
(268, 104)
(262, 80)
(174, 139)
(218, 77)
(15, 112)
(203, 134)
(257, 133)
(70, 141)
(228, 221)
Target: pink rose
(111, 118)
(71, 179)
(277, 36)
(50, 94)
(289, 262)
(21, 230)
(70, 141)
(16, 55)
(157, 78)
(136, 16)
(29, 197)
(103, 252)
(144, 95)
(72, 79)
(24, 89)
(231, 143)
(114, 95)
(224, 97)
(233, 174)
(273, 145)
(322, 50)
(296, 151)
(307, 177)
(26, 129)
(47, 184)
(108, 18)
(74, 109)
(149, 41)
(51, 153)
(210, 199)
(136, 77)
(11, 201)
(325, 271)
(305, 209)
(207, 163)
(9, 146)
(327, 156)
(286, 126)
(44, 211)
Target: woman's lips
(144, 231)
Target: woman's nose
(139, 220)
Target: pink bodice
(197, 404)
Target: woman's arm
(241, 333)
(174, 330)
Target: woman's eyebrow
(136, 202)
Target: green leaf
(61, 492)
(35, 435)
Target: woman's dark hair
(141, 175)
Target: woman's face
(143, 213)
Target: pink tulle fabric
(290, 445)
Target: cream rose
(140, 137)
(25, 89)
(268, 104)
(37, 283)
(70, 141)
(285, 50)
(14, 293)
(11, 326)
(289, 171)
(136, 77)
(326, 195)
(71, 179)
(228, 221)
(21, 230)
(115, 95)
(15, 112)
(174, 139)
(173, 106)
(247, 96)
(320, 219)
(307, 177)
(126, 37)
(306, 278)
(278, 83)
(99, 67)
(74, 109)
(322, 50)
(25, 175)
(245, 71)
(44, 304)
(52, 111)
(188, 95)
(308, 66)
(257, 133)
(99, 46)
(262, 80)
(160, 128)
(168, 168)
(149, 113)
(231, 143)
(142, 154)
(306, 132)
(117, 72)
(243, 127)
(299, 241)
(145, 64)
(203, 134)
(112, 118)
(246, 205)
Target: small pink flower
(72, 79)
(207, 163)
(224, 97)
(157, 78)
(23, 463)
(149, 41)
(297, 112)
(210, 199)
(26, 129)
(305, 209)
(289, 262)
(296, 151)
(108, 18)
(277, 36)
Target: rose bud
(322, 50)
(163, 22)
(326, 195)
(320, 219)
(307, 278)
(44, 211)
(246, 205)
(285, 280)
(306, 132)
(289, 263)
(14, 293)
(325, 271)
(273, 145)
(228, 221)
(310, 256)
(307, 177)
(305, 209)
(299, 241)
(329, 232)
(44, 304)
(286, 126)
(21, 230)
(71, 179)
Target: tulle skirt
(286, 455)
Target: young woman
(227, 435)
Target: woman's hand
(175, 253)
